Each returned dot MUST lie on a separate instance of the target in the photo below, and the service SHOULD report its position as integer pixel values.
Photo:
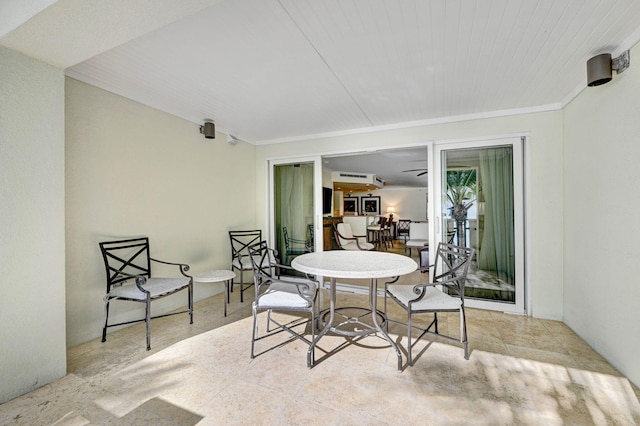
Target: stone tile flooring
(521, 371)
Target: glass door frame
(317, 196)
(517, 143)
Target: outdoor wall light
(599, 67)
(208, 129)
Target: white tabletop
(354, 264)
(214, 276)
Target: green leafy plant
(461, 192)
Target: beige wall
(602, 230)
(544, 245)
(32, 312)
(132, 171)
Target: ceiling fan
(449, 167)
(422, 171)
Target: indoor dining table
(354, 264)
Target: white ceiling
(276, 70)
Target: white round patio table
(216, 276)
(354, 264)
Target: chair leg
(463, 333)
(254, 332)
(409, 345)
(191, 303)
(148, 321)
(268, 320)
(313, 335)
(106, 321)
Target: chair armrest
(297, 241)
(304, 288)
(138, 279)
(183, 266)
(280, 267)
(358, 244)
(452, 284)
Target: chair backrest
(343, 230)
(419, 231)
(403, 226)
(358, 224)
(285, 233)
(263, 260)
(454, 262)
(241, 240)
(310, 239)
(125, 259)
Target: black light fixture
(208, 129)
(599, 68)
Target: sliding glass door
(295, 197)
(481, 206)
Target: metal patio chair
(240, 242)
(277, 291)
(128, 266)
(444, 294)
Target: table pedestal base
(353, 321)
(332, 312)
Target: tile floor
(521, 371)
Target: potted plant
(461, 193)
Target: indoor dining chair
(402, 229)
(418, 236)
(347, 241)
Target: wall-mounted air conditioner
(359, 178)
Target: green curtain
(497, 251)
(293, 201)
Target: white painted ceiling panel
(273, 70)
(208, 66)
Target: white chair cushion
(244, 263)
(284, 295)
(157, 287)
(433, 299)
(416, 243)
